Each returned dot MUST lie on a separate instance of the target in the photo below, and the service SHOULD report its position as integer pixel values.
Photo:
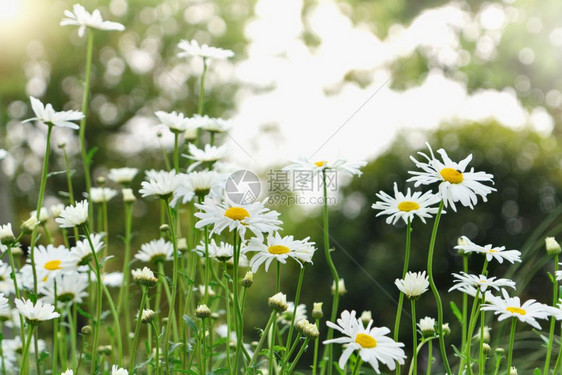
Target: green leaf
(83, 313)
(55, 173)
(456, 311)
(537, 371)
(190, 323)
(91, 153)
(102, 262)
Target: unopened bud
(278, 302)
(101, 181)
(248, 279)
(147, 316)
(6, 235)
(30, 224)
(552, 246)
(164, 228)
(366, 317)
(86, 330)
(446, 329)
(341, 287)
(486, 348)
(512, 371)
(317, 310)
(202, 311)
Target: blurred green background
(510, 46)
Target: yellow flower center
(365, 341)
(236, 213)
(493, 251)
(53, 265)
(321, 163)
(408, 206)
(516, 310)
(451, 175)
(278, 249)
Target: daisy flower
(351, 168)
(6, 234)
(102, 194)
(276, 248)
(406, 207)
(254, 217)
(497, 253)
(209, 154)
(371, 342)
(116, 370)
(47, 115)
(211, 124)
(81, 253)
(122, 176)
(413, 285)
(287, 316)
(82, 18)
(464, 279)
(35, 313)
(73, 216)
(160, 183)
(70, 288)
(43, 215)
(511, 307)
(198, 184)
(456, 184)
(51, 261)
(192, 48)
(175, 121)
(56, 209)
(156, 251)
(222, 251)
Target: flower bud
(202, 311)
(278, 302)
(512, 371)
(341, 287)
(6, 235)
(248, 279)
(427, 326)
(128, 195)
(552, 246)
(101, 181)
(301, 324)
(311, 330)
(182, 245)
(104, 350)
(164, 228)
(446, 329)
(366, 317)
(486, 348)
(86, 330)
(30, 224)
(147, 316)
(317, 310)
(144, 277)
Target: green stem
(511, 340)
(171, 313)
(55, 331)
(24, 364)
(429, 358)
(85, 99)
(39, 205)
(123, 302)
(482, 356)
(333, 270)
(358, 364)
(401, 297)
(99, 283)
(559, 359)
(228, 315)
(73, 334)
(296, 303)
(435, 291)
(552, 319)
(414, 337)
(263, 337)
(105, 228)
(464, 303)
(18, 295)
(272, 343)
(316, 344)
(116, 323)
(156, 341)
(298, 356)
(137, 331)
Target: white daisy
(6, 234)
(350, 168)
(70, 288)
(276, 248)
(192, 48)
(254, 217)
(305, 252)
(144, 276)
(222, 251)
(497, 253)
(175, 121)
(14, 345)
(51, 261)
(455, 183)
(122, 176)
(47, 115)
(407, 206)
(198, 184)
(35, 313)
(43, 214)
(287, 316)
(102, 194)
(73, 216)
(160, 183)
(373, 344)
(112, 279)
(156, 251)
(116, 370)
(82, 18)
(464, 279)
(81, 253)
(413, 285)
(56, 209)
(212, 125)
(209, 154)
(511, 307)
